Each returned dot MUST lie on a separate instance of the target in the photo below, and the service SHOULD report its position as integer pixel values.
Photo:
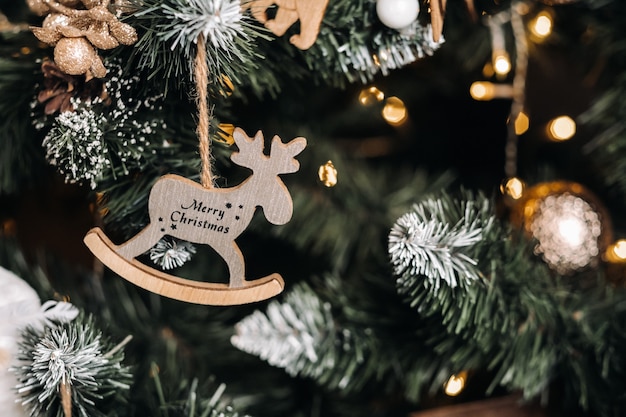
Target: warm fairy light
(485, 90)
(619, 249)
(455, 384)
(501, 63)
(327, 174)
(522, 123)
(481, 90)
(371, 95)
(617, 252)
(513, 187)
(394, 111)
(561, 128)
(541, 25)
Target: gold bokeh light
(371, 95)
(619, 249)
(541, 25)
(501, 63)
(395, 112)
(522, 123)
(561, 128)
(455, 384)
(513, 187)
(481, 90)
(485, 90)
(327, 174)
(616, 252)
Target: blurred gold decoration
(455, 384)
(327, 174)
(570, 225)
(76, 29)
(561, 128)
(513, 188)
(371, 95)
(225, 133)
(227, 86)
(9, 228)
(394, 112)
(59, 88)
(488, 71)
(522, 123)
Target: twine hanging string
(201, 74)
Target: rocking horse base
(180, 288)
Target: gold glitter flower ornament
(77, 29)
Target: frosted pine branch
(436, 239)
(175, 25)
(219, 21)
(74, 354)
(289, 334)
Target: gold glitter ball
(74, 56)
(327, 174)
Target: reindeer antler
(251, 155)
(250, 149)
(285, 152)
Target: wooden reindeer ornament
(187, 210)
(309, 12)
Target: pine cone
(60, 87)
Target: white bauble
(20, 306)
(17, 302)
(397, 14)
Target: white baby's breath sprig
(171, 253)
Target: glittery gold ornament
(77, 33)
(570, 225)
(327, 174)
(76, 56)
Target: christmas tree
(312, 208)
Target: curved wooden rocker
(184, 209)
(180, 288)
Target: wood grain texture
(191, 291)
